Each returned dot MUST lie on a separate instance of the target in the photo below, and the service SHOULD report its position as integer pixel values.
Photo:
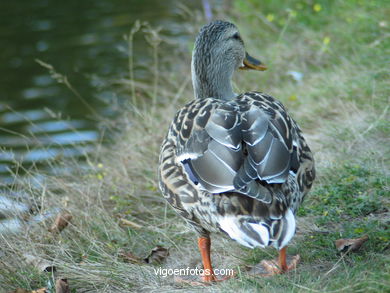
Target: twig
(181, 89)
(336, 264)
(60, 78)
(154, 40)
(306, 288)
(130, 38)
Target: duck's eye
(237, 36)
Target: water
(42, 120)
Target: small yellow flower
(100, 165)
(326, 41)
(317, 7)
(270, 17)
(292, 98)
(358, 230)
(99, 176)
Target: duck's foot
(273, 267)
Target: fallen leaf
(346, 245)
(128, 223)
(62, 220)
(131, 258)
(158, 255)
(41, 264)
(62, 286)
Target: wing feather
(240, 145)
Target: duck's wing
(241, 145)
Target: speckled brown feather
(189, 138)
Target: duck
(234, 164)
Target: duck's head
(219, 51)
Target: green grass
(341, 103)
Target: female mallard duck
(232, 163)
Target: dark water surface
(41, 119)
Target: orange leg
(281, 266)
(204, 245)
(282, 260)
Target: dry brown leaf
(158, 255)
(62, 220)
(346, 245)
(62, 286)
(124, 222)
(130, 257)
(41, 264)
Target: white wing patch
(231, 226)
(290, 219)
(185, 156)
(234, 228)
(262, 231)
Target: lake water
(41, 119)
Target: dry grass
(342, 105)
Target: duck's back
(247, 147)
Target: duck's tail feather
(277, 232)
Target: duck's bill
(252, 63)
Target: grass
(341, 103)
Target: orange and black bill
(252, 63)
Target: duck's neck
(211, 80)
